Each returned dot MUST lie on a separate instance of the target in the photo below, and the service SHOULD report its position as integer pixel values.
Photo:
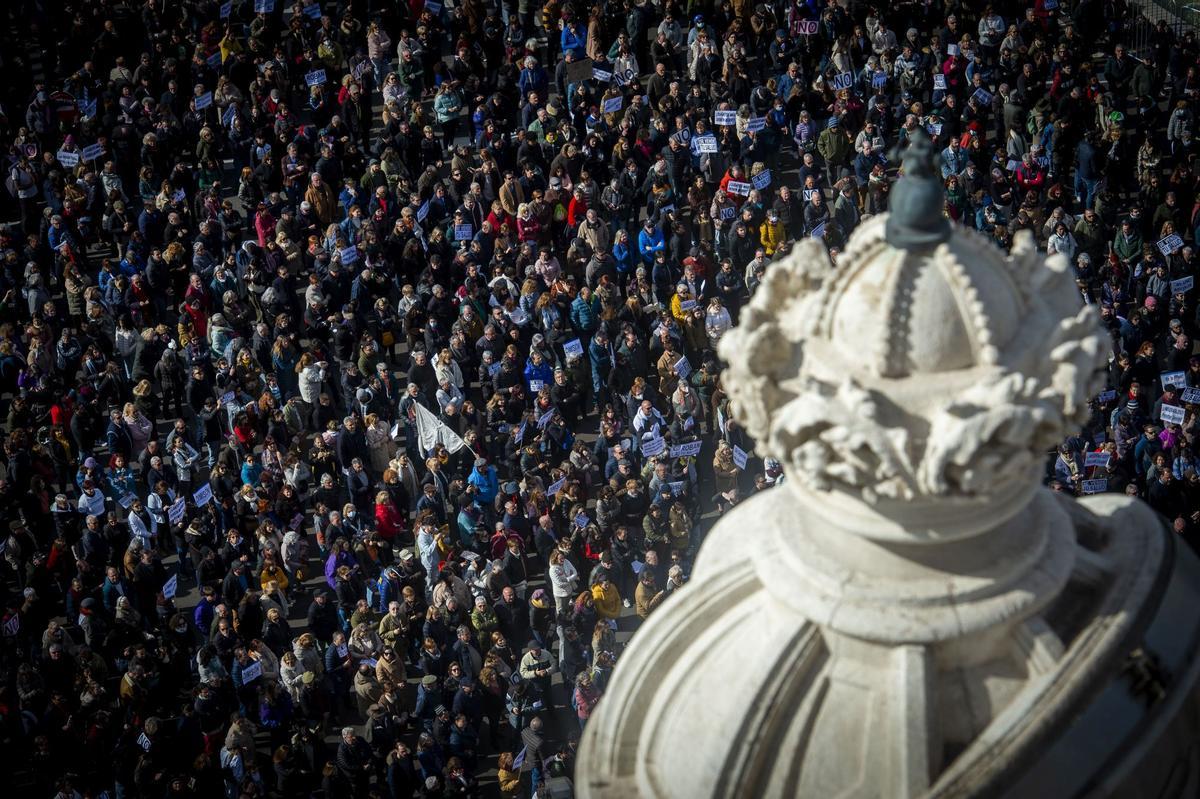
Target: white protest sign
(348, 255)
(251, 671)
(1177, 379)
(1169, 244)
(463, 232)
(706, 144)
(175, 512)
(126, 500)
(878, 79)
(433, 7)
(677, 488)
(762, 179)
(687, 305)
(602, 75)
(739, 457)
(203, 495)
(653, 447)
(67, 159)
(1100, 459)
(739, 187)
(805, 27)
(682, 367)
(343, 650)
(952, 49)
(842, 81)
(423, 211)
(725, 119)
(1107, 396)
(545, 418)
(755, 124)
(315, 78)
(313, 11)
(939, 82)
(818, 231)
(1172, 414)
(170, 587)
(92, 152)
(1182, 285)
(12, 626)
(982, 96)
(613, 104)
(728, 212)
(1191, 396)
(264, 6)
(688, 450)
(203, 101)
(573, 348)
(556, 486)
(1095, 486)
(143, 741)
(535, 385)
(1012, 165)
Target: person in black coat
(322, 617)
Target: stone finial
(918, 218)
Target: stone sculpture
(911, 613)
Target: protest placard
(177, 510)
(1094, 486)
(143, 741)
(1172, 414)
(762, 180)
(423, 211)
(755, 124)
(1169, 244)
(818, 231)
(348, 255)
(251, 671)
(1107, 396)
(92, 152)
(740, 457)
(313, 11)
(725, 119)
(556, 486)
(203, 101)
(613, 104)
(1177, 379)
(707, 144)
(578, 70)
(1100, 459)
(203, 495)
(688, 450)
(739, 187)
(878, 79)
(653, 447)
(535, 385)
(67, 158)
(683, 368)
(315, 78)
(1191, 396)
(463, 232)
(939, 82)
(264, 6)
(601, 75)
(573, 348)
(804, 27)
(678, 487)
(982, 96)
(843, 80)
(687, 305)
(1182, 286)
(226, 9)
(170, 587)
(545, 418)
(127, 500)
(214, 60)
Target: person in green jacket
(1128, 244)
(835, 147)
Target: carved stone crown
(915, 386)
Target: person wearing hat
(486, 483)
(771, 233)
(836, 147)
(538, 667)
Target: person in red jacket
(389, 522)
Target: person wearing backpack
(22, 183)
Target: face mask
(351, 515)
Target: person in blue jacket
(574, 40)
(537, 369)
(486, 482)
(650, 241)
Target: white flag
(432, 431)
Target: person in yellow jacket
(681, 296)
(771, 233)
(606, 599)
(273, 571)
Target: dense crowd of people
(341, 443)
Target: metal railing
(1180, 16)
